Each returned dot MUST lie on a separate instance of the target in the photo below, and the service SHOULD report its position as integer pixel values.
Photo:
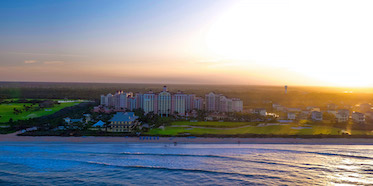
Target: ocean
(37, 163)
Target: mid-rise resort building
(165, 103)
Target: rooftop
(99, 124)
(124, 117)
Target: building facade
(189, 102)
(198, 103)
(212, 102)
(237, 105)
(316, 116)
(150, 102)
(166, 103)
(179, 103)
(123, 122)
(358, 117)
(342, 115)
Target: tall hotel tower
(164, 102)
(179, 103)
(150, 102)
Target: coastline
(186, 140)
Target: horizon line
(212, 84)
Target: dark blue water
(189, 164)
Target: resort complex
(165, 103)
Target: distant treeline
(252, 96)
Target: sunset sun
(281, 35)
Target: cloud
(46, 54)
(30, 61)
(53, 62)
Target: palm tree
(106, 125)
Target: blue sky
(74, 26)
(83, 34)
(188, 41)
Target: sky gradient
(322, 43)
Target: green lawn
(214, 124)
(6, 111)
(271, 129)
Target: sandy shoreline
(197, 140)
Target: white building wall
(103, 100)
(211, 102)
(189, 104)
(123, 101)
(110, 100)
(237, 105)
(164, 103)
(198, 103)
(179, 103)
(229, 105)
(148, 103)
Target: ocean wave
(274, 165)
(186, 155)
(321, 153)
(242, 159)
(258, 176)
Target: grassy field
(247, 128)
(214, 124)
(6, 111)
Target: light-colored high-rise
(139, 100)
(164, 102)
(150, 102)
(131, 103)
(189, 102)
(237, 105)
(110, 100)
(103, 100)
(198, 103)
(178, 103)
(212, 100)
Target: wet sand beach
(143, 139)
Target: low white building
(260, 111)
(303, 114)
(358, 117)
(342, 116)
(316, 116)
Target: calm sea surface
(189, 164)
